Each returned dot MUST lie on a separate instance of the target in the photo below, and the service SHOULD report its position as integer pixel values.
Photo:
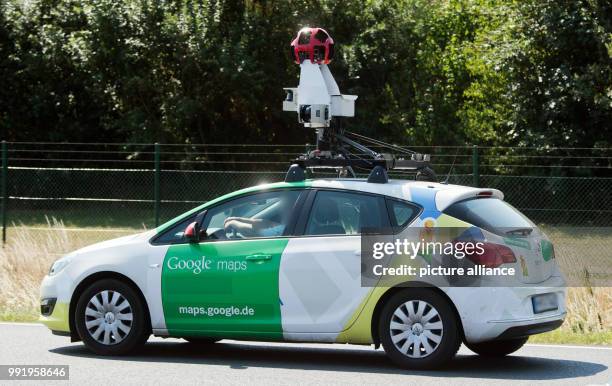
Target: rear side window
(401, 213)
(491, 214)
(342, 213)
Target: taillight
(493, 255)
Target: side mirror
(192, 232)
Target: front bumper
(53, 287)
(59, 318)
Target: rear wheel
(497, 348)
(418, 329)
(110, 318)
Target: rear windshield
(491, 214)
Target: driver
(253, 227)
(260, 227)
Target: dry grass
(588, 321)
(27, 257)
(589, 310)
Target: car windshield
(493, 215)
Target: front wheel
(497, 348)
(418, 329)
(111, 318)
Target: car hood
(123, 240)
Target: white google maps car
(281, 262)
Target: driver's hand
(230, 222)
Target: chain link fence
(92, 192)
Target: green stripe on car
(224, 286)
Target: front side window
(174, 235)
(342, 213)
(256, 215)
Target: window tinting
(491, 214)
(402, 213)
(341, 213)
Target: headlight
(58, 266)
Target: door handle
(259, 257)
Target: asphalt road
(172, 361)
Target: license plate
(544, 302)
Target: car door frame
(287, 233)
(295, 315)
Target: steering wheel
(232, 233)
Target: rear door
(320, 282)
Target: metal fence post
(4, 189)
(157, 187)
(475, 167)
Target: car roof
(428, 194)
(432, 196)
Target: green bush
(524, 73)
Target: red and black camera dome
(314, 44)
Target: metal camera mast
(317, 100)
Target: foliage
(444, 72)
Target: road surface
(172, 361)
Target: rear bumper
(529, 329)
(504, 312)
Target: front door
(227, 285)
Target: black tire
(202, 341)
(497, 348)
(140, 327)
(450, 336)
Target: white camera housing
(317, 98)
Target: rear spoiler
(447, 197)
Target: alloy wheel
(108, 317)
(416, 328)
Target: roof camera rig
(317, 101)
